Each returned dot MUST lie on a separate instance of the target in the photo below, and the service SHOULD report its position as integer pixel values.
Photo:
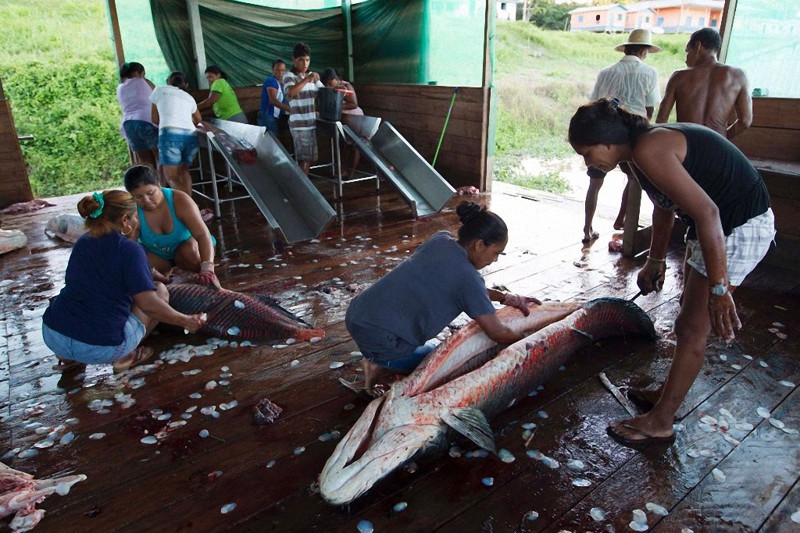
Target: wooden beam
(348, 34)
(198, 45)
(116, 36)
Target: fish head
(379, 443)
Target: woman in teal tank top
(171, 228)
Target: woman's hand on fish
(651, 277)
(724, 320)
(195, 322)
(520, 302)
(158, 276)
(207, 277)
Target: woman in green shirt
(221, 98)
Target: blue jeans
(176, 146)
(90, 354)
(269, 122)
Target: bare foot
(373, 372)
(619, 224)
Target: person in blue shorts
(175, 112)
(171, 228)
(109, 302)
(393, 320)
(133, 94)
(273, 100)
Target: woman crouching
(109, 302)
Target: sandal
(638, 439)
(136, 357)
(592, 237)
(67, 365)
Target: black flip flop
(638, 443)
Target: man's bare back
(708, 92)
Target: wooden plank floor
(181, 483)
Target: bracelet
(207, 266)
(649, 258)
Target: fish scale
(259, 319)
(413, 416)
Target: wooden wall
(418, 112)
(773, 145)
(775, 132)
(14, 184)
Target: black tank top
(722, 171)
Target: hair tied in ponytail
(98, 197)
(468, 211)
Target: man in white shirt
(635, 85)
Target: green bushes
(58, 72)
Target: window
(619, 17)
(714, 23)
(580, 18)
(701, 22)
(647, 19)
(660, 21)
(689, 22)
(757, 44)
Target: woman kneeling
(109, 302)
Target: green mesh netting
(393, 41)
(389, 38)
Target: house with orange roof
(660, 16)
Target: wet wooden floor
(269, 473)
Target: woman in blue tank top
(696, 173)
(171, 228)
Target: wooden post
(198, 45)
(116, 36)
(14, 185)
(489, 100)
(348, 33)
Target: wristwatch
(719, 290)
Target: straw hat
(639, 37)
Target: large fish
(238, 315)
(451, 391)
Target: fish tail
(606, 317)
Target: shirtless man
(708, 92)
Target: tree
(549, 15)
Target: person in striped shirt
(301, 85)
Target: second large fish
(238, 315)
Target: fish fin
(583, 334)
(273, 303)
(472, 423)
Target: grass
(542, 77)
(58, 71)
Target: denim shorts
(142, 136)
(90, 354)
(268, 121)
(176, 146)
(407, 364)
